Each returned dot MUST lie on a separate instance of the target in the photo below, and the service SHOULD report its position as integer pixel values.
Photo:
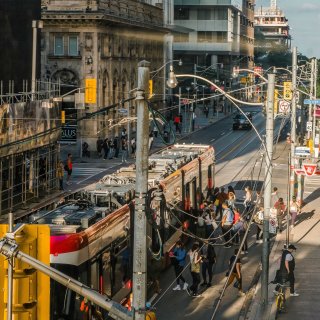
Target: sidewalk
(305, 236)
(201, 122)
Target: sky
(304, 20)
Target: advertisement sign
(69, 134)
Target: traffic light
(150, 89)
(91, 91)
(63, 117)
(31, 288)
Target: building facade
(221, 35)
(102, 40)
(273, 25)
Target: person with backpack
(179, 260)
(281, 208)
(236, 226)
(286, 271)
(226, 224)
(235, 271)
(201, 229)
(195, 260)
(68, 168)
(208, 260)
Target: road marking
(95, 174)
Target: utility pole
(10, 273)
(267, 190)
(180, 101)
(293, 121)
(315, 75)
(140, 221)
(35, 25)
(311, 95)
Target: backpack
(236, 216)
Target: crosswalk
(311, 184)
(86, 171)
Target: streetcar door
(193, 196)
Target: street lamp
(172, 81)
(36, 24)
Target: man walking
(68, 168)
(227, 222)
(235, 271)
(287, 266)
(124, 150)
(179, 256)
(208, 259)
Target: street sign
(124, 111)
(309, 126)
(272, 225)
(309, 101)
(276, 101)
(309, 168)
(284, 106)
(302, 151)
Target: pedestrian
(176, 122)
(105, 148)
(231, 200)
(124, 134)
(111, 148)
(231, 189)
(150, 314)
(258, 219)
(242, 227)
(235, 271)
(195, 260)
(178, 257)
(259, 201)
(280, 207)
(133, 146)
(68, 168)
(226, 224)
(222, 197)
(247, 201)
(124, 150)
(201, 229)
(208, 260)
(206, 111)
(274, 196)
(287, 266)
(99, 147)
(60, 172)
(116, 147)
(208, 223)
(294, 210)
(155, 131)
(150, 140)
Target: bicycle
(281, 297)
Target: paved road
(237, 154)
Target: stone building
(102, 40)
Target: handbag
(236, 284)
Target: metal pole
(10, 272)
(288, 204)
(267, 191)
(180, 101)
(293, 121)
(34, 58)
(140, 223)
(116, 310)
(315, 73)
(311, 96)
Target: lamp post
(36, 24)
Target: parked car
(242, 122)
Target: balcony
(193, 47)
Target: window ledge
(52, 56)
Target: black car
(241, 122)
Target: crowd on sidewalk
(218, 212)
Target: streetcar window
(102, 201)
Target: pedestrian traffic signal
(91, 91)
(287, 90)
(31, 288)
(63, 117)
(150, 89)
